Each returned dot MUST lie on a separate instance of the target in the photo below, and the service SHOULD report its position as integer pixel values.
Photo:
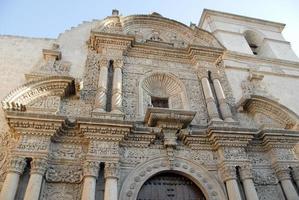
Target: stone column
(91, 172)
(117, 86)
(224, 107)
(16, 167)
(210, 101)
(229, 177)
(283, 175)
(38, 169)
(111, 177)
(246, 178)
(296, 176)
(101, 97)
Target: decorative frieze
(64, 174)
(103, 149)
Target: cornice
(252, 59)
(207, 12)
(279, 138)
(230, 136)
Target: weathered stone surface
(84, 127)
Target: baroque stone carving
(61, 191)
(66, 151)
(91, 168)
(64, 174)
(264, 176)
(111, 170)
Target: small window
(254, 41)
(160, 102)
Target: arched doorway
(170, 186)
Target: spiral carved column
(117, 86)
(223, 105)
(101, 97)
(210, 100)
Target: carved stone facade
(153, 96)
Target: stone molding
(46, 86)
(230, 137)
(91, 168)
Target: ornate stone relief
(66, 151)
(101, 148)
(45, 105)
(61, 191)
(64, 174)
(132, 155)
(264, 176)
(269, 192)
(29, 143)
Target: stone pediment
(156, 28)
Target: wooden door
(169, 186)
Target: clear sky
(48, 18)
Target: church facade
(145, 107)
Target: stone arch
(272, 109)
(254, 39)
(210, 187)
(46, 86)
(170, 86)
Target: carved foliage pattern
(61, 191)
(64, 173)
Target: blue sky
(48, 18)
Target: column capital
(202, 73)
(118, 63)
(215, 75)
(111, 170)
(228, 172)
(246, 172)
(91, 168)
(16, 165)
(282, 171)
(296, 173)
(103, 62)
(39, 166)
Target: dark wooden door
(169, 186)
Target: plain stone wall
(283, 87)
(229, 31)
(18, 55)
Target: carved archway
(47, 86)
(163, 85)
(261, 105)
(206, 182)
